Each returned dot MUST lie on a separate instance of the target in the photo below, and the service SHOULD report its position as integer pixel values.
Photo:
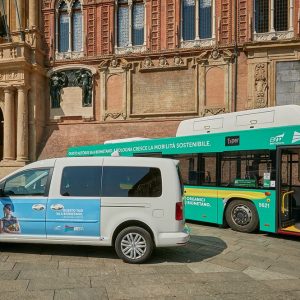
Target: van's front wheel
(134, 245)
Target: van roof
(48, 163)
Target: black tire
(241, 215)
(140, 245)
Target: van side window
(131, 182)
(27, 183)
(81, 181)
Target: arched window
(64, 23)
(130, 23)
(69, 29)
(76, 26)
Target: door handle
(57, 206)
(38, 207)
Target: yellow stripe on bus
(214, 193)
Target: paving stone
(102, 270)
(81, 294)
(36, 266)
(207, 267)
(78, 264)
(13, 285)
(135, 269)
(58, 283)
(284, 284)
(9, 275)
(43, 274)
(25, 295)
(285, 269)
(173, 269)
(141, 292)
(25, 257)
(254, 262)
(227, 264)
(261, 274)
(4, 266)
(104, 280)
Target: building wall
(169, 80)
(106, 92)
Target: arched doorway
(1, 134)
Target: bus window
(189, 165)
(208, 170)
(249, 169)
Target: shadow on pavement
(198, 249)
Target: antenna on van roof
(116, 153)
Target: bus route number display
(232, 141)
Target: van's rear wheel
(134, 245)
(242, 216)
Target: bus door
(200, 192)
(289, 189)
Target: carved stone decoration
(261, 85)
(85, 81)
(178, 60)
(115, 116)
(147, 62)
(215, 53)
(162, 61)
(114, 62)
(213, 111)
(58, 80)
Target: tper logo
(296, 137)
(277, 140)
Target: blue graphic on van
(23, 216)
(73, 217)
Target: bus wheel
(242, 216)
(134, 245)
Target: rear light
(179, 211)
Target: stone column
(33, 10)
(21, 10)
(130, 4)
(22, 125)
(272, 28)
(9, 149)
(291, 25)
(197, 17)
(214, 19)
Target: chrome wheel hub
(133, 246)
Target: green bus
(240, 169)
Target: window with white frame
(69, 27)
(271, 16)
(130, 15)
(197, 19)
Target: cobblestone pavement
(217, 264)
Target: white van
(131, 203)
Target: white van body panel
(155, 213)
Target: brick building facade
(115, 69)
